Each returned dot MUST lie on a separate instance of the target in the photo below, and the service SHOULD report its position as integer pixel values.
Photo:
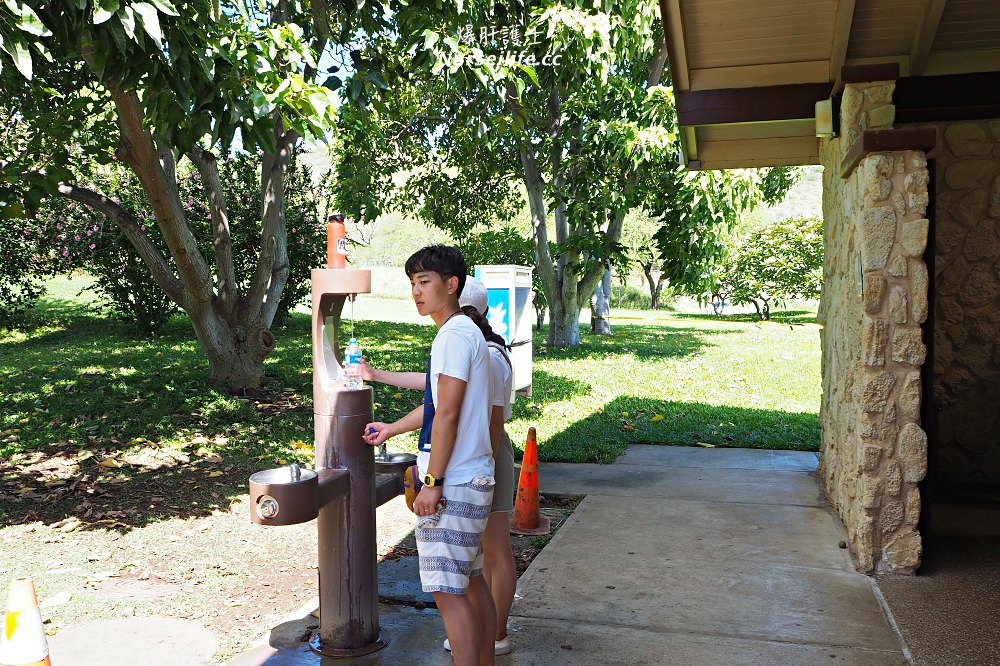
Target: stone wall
(966, 371)
(874, 451)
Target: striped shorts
(449, 542)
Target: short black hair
(444, 260)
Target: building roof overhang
(748, 74)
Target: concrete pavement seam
(702, 634)
(890, 619)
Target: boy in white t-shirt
(455, 459)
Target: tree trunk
(600, 306)
(564, 323)
(236, 350)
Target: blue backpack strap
(424, 443)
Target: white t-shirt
(503, 381)
(459, 351)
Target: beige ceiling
(776, 46)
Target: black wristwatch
(431, 482)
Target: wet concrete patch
(150, 641)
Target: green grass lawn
(661, 378)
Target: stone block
(912, 452)
(882, 117)
(875, 389)
(890, 417)
(871, 426)
(902, 554)
(877, 94)
(981, 243)
(897, 305)
(917, 203)
(874, 338)
(909, 397)
(891, 516)
(893, 479)
(850, 104)
(967, 140)
(870, 457)
(899, 203)
(980, 287)
(916, 181)
(898, 266)
(949, 311)
(994, 199)
(877, 170)
(873, 287)
(969, 210)
(951, 275)
(969, 173)
(878, 231)
(918, 160)
(994, 126)
(871, 492)
(908, 345)
(912, 504)
(914, 237)
(919, 281)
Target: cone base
(544, 527)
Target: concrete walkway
(675, 556)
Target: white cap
(474, 294)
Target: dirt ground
(162, 533)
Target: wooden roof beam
(924, 36)
(841, 38)
(746, 105)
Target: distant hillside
(805, 199)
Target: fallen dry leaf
(212, 475)
(56, 600)
(110, 462)
(656, 418)
(67, 524)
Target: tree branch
(124, 220)
(222, 243)
(139, 152)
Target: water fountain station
(349, 481)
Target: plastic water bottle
(352, 367)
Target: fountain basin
(394, 463)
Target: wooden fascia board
(755, 76)
(746, 153)
(841, 37)
(888, 141)
(924, 36)
(673, 30)
(745, 105)
(962, 62)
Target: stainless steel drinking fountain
(344, 489)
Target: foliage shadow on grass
(779, 316)
(641, 341)
(605, 434)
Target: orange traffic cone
(22, 642)
(527, 519)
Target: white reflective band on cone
(23, 638)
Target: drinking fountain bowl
(394, 463)
(284, 496)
